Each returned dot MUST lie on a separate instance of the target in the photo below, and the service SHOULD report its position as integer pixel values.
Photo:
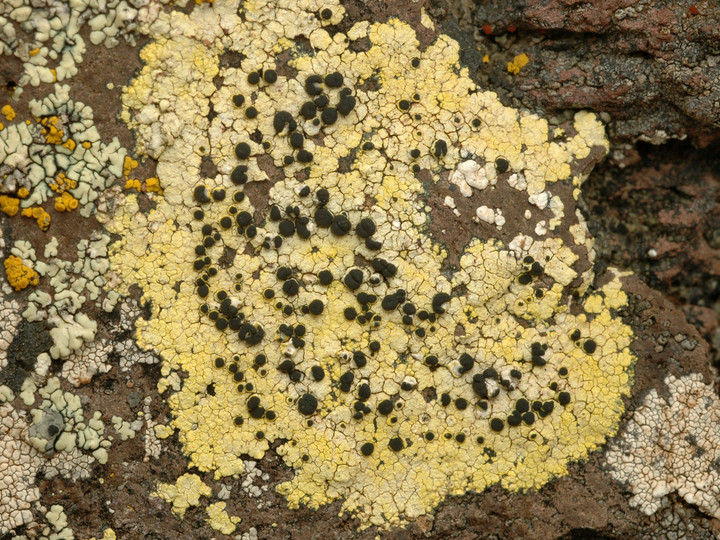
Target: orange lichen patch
(53, 134)
(152, 185)
(133, 184)
(63, 183)
(87, 145)
(8, 112)
(23, 192)
(129, 165)
(39, 215)
(200, 2)
(18, 275)
(34, 52)
(70, 145)
(66, 203)
(519, 62)
(9, 205)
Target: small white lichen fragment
(469, 174)
(540, 200)
(672, 445)
(517, 181)
(488, 215)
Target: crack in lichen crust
(299, 291)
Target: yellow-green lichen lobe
(184, 493)
(501, 371)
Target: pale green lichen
(49, 41)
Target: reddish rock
(652, 67)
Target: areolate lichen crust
(300, 289)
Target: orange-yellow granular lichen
(23, 192)
(519, 62)
(8, 112)
(133, 184)
(9, 205)
(65, 203)
(129, 165)
(152, 185)
(52, 134)
(18, 275)
(39, 215)
(331, 321)
(62, 183)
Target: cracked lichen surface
(671, 444)
(501, 370)
(56, 438)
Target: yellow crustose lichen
(327, 317)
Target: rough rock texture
(653, 66)
(660, 217)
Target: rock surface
(652, 66)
